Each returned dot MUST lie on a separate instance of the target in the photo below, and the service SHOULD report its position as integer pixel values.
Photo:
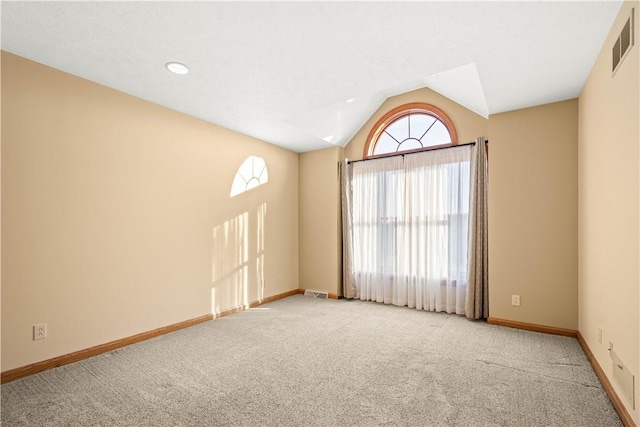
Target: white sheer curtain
(406, 229)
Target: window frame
(402, 111)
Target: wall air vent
(623, 43)
(624, 378)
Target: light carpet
(303, 361)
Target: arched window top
(252, 173)
(409, 128)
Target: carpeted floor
(311, 362)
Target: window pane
(419, 124)
(438, 134)
(251, 173)
(410, 144)
(253, 183)
(264, 175)
(399, 129)
(385, 144)
(246, 169)
(239, 185)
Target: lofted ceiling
(308, 75)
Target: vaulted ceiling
(307, 75)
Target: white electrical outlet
(515, 300)
(39, 331)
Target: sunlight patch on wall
(251, 174)
(230, 263)
(238, 261)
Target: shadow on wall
(238, 244)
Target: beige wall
(468, 124)
(608, 210)
(117, 217)
(320, 238)
(533, 214)
(532, 203)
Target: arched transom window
(409, 128)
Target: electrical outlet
(515, 300)
(600, 335)
(39, 331)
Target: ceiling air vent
(623, 43)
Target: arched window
(252, 173)
(409, 128)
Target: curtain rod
(422, 151)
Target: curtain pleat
(477, 298)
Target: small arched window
(409, 128)
(251, 174)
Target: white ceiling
(307, 75)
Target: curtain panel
(405, 228)
(477, 298)
(348, 271)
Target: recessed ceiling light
(177, 67)
(351, 100)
